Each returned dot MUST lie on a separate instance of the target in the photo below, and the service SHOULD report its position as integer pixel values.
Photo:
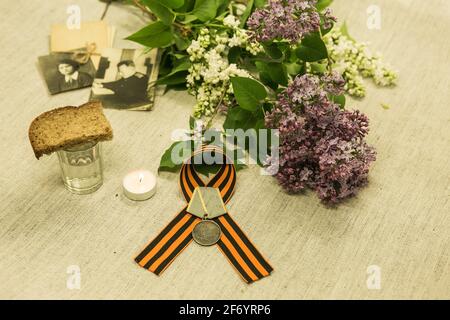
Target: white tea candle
(139, 185)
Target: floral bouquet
(276, 64)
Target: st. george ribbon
(177, 235)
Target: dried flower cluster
(355, 62)
(322, 147)
(287, 20)
(209, 75)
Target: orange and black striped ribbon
(234, 244)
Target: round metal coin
(206, 233)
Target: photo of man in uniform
(131, 88)
(125, 79)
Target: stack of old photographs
(120, 78)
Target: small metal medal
(206, 203)
(206, 233)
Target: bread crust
(69, 126)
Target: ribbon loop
(233, 243)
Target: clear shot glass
(82, 168)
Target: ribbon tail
(168, 244)
(241, 252)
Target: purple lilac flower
(328, 19)
(321, 146)
(287, 19)
(334, 83)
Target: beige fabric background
(400, 222)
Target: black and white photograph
(62, 73)
(228, 158)
(124, 77)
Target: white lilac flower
(231, 21)
(355, 61)
(209, 75)
(235, 42)
(240, 8)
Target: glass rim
(81, 147)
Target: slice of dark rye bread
(66, 127)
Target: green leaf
(340, 100)
(248, 92)
(165, 66)
(312, 48)
(265, 78)
(186, 7)
(276, 71)
(326, 31)
(162, 12)
(206, 170)
(246, 13)
(155, 35)
(260, 3)
(178, 74)
(318, 67)
(323, 4)
(189, 18)
(174, 4)
(191, 122)
(273, 51)
(166, 163)
(182, 65)
(205, 10)
(293, 68)
(222, 8)
(233, 54)
(238, 118)
(181, 42)
(172, 79)
(178, 55)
